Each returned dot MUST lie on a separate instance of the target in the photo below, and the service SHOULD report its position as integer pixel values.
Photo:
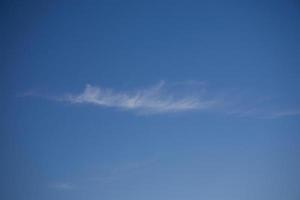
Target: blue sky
(150, 100)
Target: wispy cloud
(156, 99)
(177, 97)
(285, 113)
(62, 186)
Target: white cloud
(62, 186)
(285, 113)
(177, 97)
(157, 99)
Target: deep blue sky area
(187, 100)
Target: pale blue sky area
(150, 100)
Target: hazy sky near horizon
(150, 100)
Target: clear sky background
(150, 100)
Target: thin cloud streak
(62, 186)
(148, 101)
(177, 97)
(286, 113)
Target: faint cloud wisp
(177, 97)
(153, 100)
(62, 186)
